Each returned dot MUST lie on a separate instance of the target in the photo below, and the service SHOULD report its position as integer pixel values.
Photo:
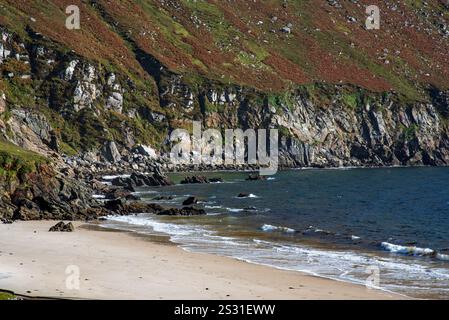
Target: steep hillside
(340, 94)
(269, 45)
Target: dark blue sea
(336, 223)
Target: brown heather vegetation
(241, 41)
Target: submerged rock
(189, 201)
(255, 177)
(159, 198)
(195, 180)
(250, 209)
(186, 211)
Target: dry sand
(118, 265)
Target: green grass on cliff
(7, 296)
(16, 161)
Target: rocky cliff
(113, 91)
(82, 109)
(32, 189)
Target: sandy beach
(118, 265)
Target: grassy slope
(15, 161)
(6, 296)
(234, 42)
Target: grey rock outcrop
(110, 152)
(142, 180)
(189, 201)
(2, 102)
(62, 227)
(47, 195)
(146, 151)
(31, 131)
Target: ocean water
(390, 225)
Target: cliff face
(45, 194)
(341, 126)
(31, 189)
(378, 133)
(65, 93)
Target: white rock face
(2, 103)
(68, 74)
(286, 30)
(115, 99)
(147, 151)
(40, 51)
(231, 97)
(189, 100)
(115, 102)
(158, 117)
(86, 91)
(89, 75)
(4, 52)
(111, 79)
(131, 113)
(212, 96)
(84, 95)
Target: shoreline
(35, 264)
(189, 171)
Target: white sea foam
(270, 228)
(116, 176)
(162, 227)
(145, 192)
(213, 207)
(318, 230)
(415, 251)
(251, 195)
(410, 250)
